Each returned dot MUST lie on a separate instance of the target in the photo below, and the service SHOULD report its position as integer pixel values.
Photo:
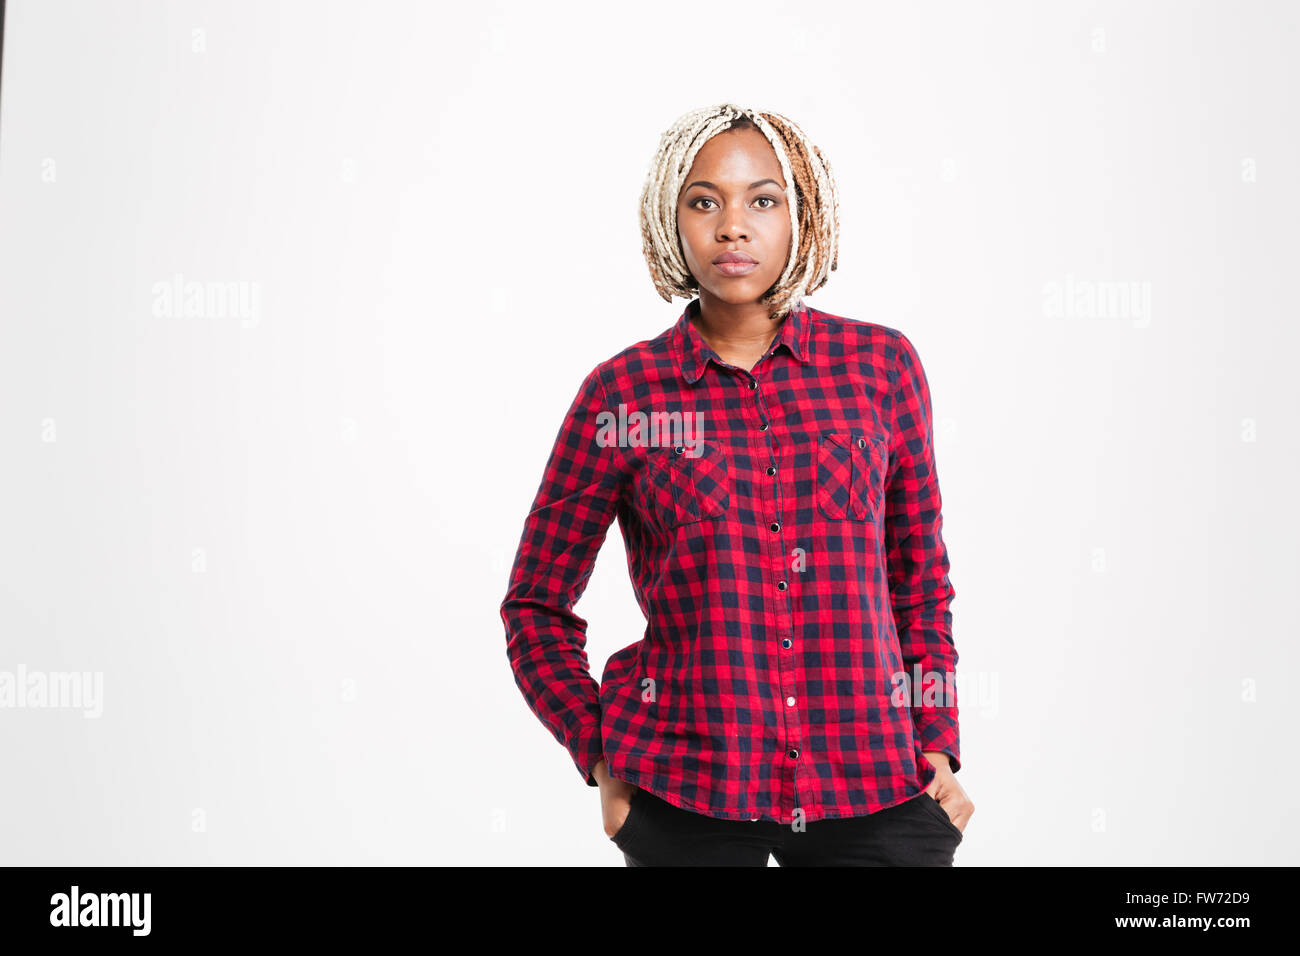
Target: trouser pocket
(936, 810)
(631, 821)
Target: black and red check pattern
(788, 556)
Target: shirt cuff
(937, 730)
(587, 750)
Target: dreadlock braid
(811, 195)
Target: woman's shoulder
(830, 323)
(856, 336)
(645, 358)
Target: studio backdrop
(294, 297)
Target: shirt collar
(694, 353)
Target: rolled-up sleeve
(918, 561)
(575, 504)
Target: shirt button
(770, 470)
(786, 642)
(753, 384)
(780, 585)
(789, 701)
(763, 427)
(792, 753)
(775, 526)
(862, 443)
(679, 449)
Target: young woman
(772, 472)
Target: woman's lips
(735, 268)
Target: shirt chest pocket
(850, 475)
(688, 484)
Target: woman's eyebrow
(754, 185)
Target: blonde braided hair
(811, 195)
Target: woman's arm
(545, 640)
(918, 561)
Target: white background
(282, 538)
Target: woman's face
(734, 202)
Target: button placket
(770, 499)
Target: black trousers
(916, 832)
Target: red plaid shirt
(785, 546)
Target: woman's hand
(615, 798)
(945, 788)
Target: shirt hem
(810, 815)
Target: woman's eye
(695, 203)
